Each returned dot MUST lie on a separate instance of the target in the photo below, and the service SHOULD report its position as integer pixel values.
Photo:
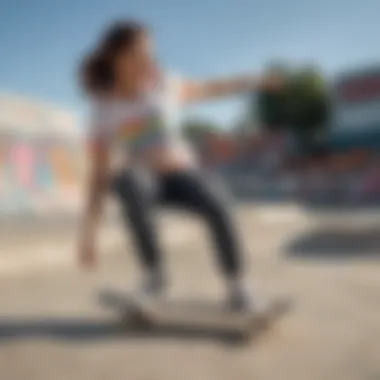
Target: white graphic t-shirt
(134, 128)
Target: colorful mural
(37, 163)
(38, 176)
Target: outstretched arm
(197, 91)
(95, 191)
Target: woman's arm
(96, 188)
(193, 91)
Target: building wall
(41, 159)
(357, 100)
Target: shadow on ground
(77, 330)
(342, 244)
(342, 205)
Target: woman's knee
(132, 186)
(124, 184)
(215, 201)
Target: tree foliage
(301, 106)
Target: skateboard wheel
(139, 321)
(236, 338)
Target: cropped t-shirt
(134, 128)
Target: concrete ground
(51, 326)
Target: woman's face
(136, 66)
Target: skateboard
(233, 326)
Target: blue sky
(41, 41)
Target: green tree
(301, 106)
(309, 107)
(270, 107)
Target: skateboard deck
(148, 314)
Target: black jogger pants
(191, 190)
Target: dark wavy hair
(97, 69)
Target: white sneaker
(240, 299)
(153, 286)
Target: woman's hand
(87, 243)
(87, 254)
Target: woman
(132, 135)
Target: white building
(356, 111)
(357, 99)
(36, 118)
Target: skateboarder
(137, 150)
